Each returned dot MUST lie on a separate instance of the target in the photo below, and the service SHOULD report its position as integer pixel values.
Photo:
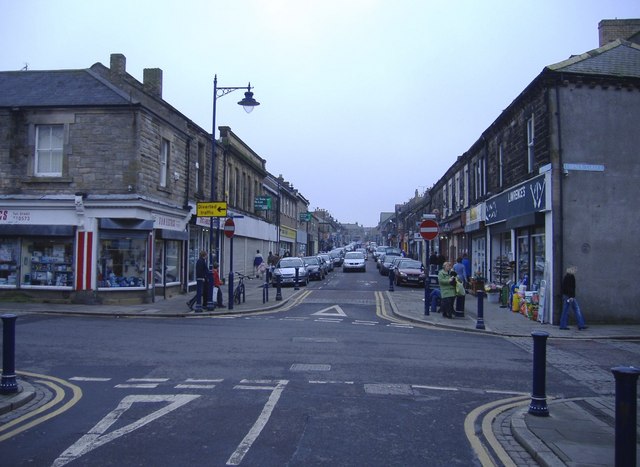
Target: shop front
(519, 240)
(37, 252)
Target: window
(500, 166)
(164, 162)
(122, 262)
(200, 169)
(530, 141)
(479, 179)
(47, 262)
(49, 140)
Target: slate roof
(58, 88)
(618, 58)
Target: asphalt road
(327, 382)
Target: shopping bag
(460, 289)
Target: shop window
(121, 262)
(48, 156)
(193, 254)
(167, 262)
(47, 262)
(523, 256)
(538, 243)
(9, 261)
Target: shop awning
(37, 230)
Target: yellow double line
(42, 413)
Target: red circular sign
(229, 228)
(429, 229)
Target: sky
(363, 102)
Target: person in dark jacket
(201, 283)
(569, 300)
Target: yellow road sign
(213, 209)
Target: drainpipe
(558, 277)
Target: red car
(409, 272)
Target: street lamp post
(248, 103)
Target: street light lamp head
(248, 103)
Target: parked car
(385, 264)
(364, 252)
(329, 262)
(378, 251)
(409, 272)
(354, 261)
(286, 271)
(391, 250)
(315, 269)
(379, 260)
(337, 257)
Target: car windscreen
(354, 255)
(290, 263)
(409, 265)
(310, 260)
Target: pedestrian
(257, 261)
(270, 259)
(440, 261)
(461, 271)
(447, 282)
(217, 284)
(569, 300)
(467, 265)
(201, 282)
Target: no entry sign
(229, 228)
(429, 229)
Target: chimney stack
(611, 29)
(118, 64)
(152, 81)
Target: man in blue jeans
(569, 300)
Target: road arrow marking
(334, 310)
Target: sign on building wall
(523, 199)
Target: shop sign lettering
(9, 216)
(524, 199)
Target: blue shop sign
(527, 198)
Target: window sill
(36, 180)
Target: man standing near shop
(257, 261)
(201, 283)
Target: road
(327, 382)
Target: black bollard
(626, 409)
(296, 287)
(392, 276)
(279, 288)
(8, 383)
(480, 321)
(265, 289)
(427, 295)
(538, 405)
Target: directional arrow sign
(212, 209)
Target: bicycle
(239, 292)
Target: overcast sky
(363, 102)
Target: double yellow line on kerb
(42, 413)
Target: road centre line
(365, 323)
(191, 380)
(257, 388)
(147, 380)
(331, 382)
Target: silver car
(354, 261)
(286, 271)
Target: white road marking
(191, 380)
(88, 378)
(399, 325)
(194, 386)
(260, 423)
(137, 386)
(147, 380)
(331, 382)
(327, 320)
(310, 367)
(365, 323)
(435, 388)
(96, 437)
(334, 310)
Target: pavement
(547, 440)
